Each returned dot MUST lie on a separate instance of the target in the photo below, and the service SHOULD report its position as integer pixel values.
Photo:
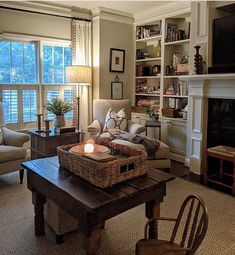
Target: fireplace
(210, 116)
(221, 122)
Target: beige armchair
(100, 109)
(12, 152)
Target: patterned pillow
(115, 120)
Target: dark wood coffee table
(91, 205)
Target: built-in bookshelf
(162, 56)
(162, 59)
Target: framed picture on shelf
(117, 60)
(116, 90)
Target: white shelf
(186, 41)
(174, 76)
(148, 94)
(175, 96)
(149, 39)
(148, 59)
(148, 77)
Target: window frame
(38, 86)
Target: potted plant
(152, 113)
(59, 108)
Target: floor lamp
(78, 75)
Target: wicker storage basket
(130, 163)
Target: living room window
(29, 70)
(18, 63)
(55, 59)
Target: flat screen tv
(224, 42)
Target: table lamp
(79, 75)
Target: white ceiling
(133, 7)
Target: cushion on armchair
(115, 120)
(10, 153)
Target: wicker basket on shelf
(129, 163)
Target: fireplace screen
(221, 122)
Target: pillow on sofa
(115, 120)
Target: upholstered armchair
(12, 152)
(100, 110)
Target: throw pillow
(115, 120)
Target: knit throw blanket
(151, 145)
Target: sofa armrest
(95, 127)
(13, 138)
(135, 128)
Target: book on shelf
(148, 31)
(173, 33)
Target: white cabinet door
(174, 135)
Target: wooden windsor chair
(191, 230)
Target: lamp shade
(78, 74)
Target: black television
(223, 56)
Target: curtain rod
(37, 12)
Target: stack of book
(173, 33)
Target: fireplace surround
(202, 89)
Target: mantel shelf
(198, 77)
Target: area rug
(121, 233)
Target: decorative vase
(198, 63)
(59, 121)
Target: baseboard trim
(197, 178)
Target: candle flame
(88, 148)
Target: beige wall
(34, 24)
(112, 34)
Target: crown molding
(48, 9)
(112, 15)
(166, 11)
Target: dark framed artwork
(116, 90)
(117, 60)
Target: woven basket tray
(130, 163)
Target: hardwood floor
(181, 171)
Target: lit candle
(88, 148)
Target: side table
(44, 144)
(153, 124)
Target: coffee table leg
(38, 201)
(153, 211)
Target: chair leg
(21, 176)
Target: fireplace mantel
(224, 76)
(202, 87)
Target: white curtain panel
(83, 57)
